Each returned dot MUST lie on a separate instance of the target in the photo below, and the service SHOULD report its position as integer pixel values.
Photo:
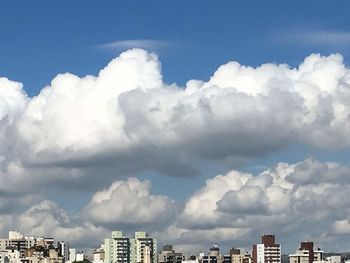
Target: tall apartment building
(72, 254)
(142, 247)
(117, 248)
(306, 254)
(268, 251)
(64, 250)
(168, 255)
(121, 249)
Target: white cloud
(12, 104)
(130, 203)
(149, 44)
(230, 210)
(127, 119)
(323, 37)
(45, 218)
(82, 132)
(238, 206)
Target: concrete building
(99, 255)
(4, 256)
(18, 248)
(333, 259)
(300, 256)
(64, 249)
(141, 243)
(318, 255)
(307, 254)
(268, 251)
(120, 249)
(80, 257)
(117, 248)
(237, 257)
(13, 235)
(147, 254)
(213, 256)
(72, 254)
(168, 255)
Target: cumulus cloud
(126, 205)
(130, 203)
(238, 207)
(46, 218)
(87, 131)
(127, 120)
(230, 210)
(12, 104)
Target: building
(121, 249)
(80, 257)
(99, 255)
(117, 248)
(213, 256)
(72, 254)
(268, 251)
(4, 256)
(64, 250)
(139, 245)
(18, 248)
(334, 259)
(168, 255)
(237, 257)
(306, 254)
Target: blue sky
(40, 39)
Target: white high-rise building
(141, 243)
(120, 249)
(72, 255)
(117, 248)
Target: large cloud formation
(127, 118)
(84, 132)
(306, 200)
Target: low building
(213, 256)
(168, 255)
(99, 255)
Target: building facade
(168, 255)
(268, 251)
(121, 249)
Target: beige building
(237, 257)
(300, 256)
(169, 255)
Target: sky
(200, 122)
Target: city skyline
(120, 248)
(196, 122)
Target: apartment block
(121, 249)
(268, 251)
(168, 255)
